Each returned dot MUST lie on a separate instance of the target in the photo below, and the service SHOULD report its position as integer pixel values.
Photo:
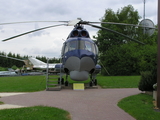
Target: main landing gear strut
(66, 83)
(93, 80)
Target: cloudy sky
(49, 42)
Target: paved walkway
(90, 104)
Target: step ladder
(53, 81)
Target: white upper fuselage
(39, 64)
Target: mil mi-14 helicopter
(79, 53)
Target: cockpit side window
(88, 46)
(65, 47)
(93, 48)
(96, 49)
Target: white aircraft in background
(10, 72)
(33, 63)
(4, 73)
(39, 64)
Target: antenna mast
(144, 9)
(144, 16)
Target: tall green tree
(122, 56)
(105, 39)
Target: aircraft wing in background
(7, 73)
(39, 64)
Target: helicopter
(79, 55)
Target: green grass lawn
(38, 83)
(118, 81)
(22, 84)
(140, 107)
(115, 81)
(34, 113)
(1, 103)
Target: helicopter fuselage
(79, 55)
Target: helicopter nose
(79, 68)
(79, 75)
(76, 64)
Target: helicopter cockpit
(79, 39)
(80, 45)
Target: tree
(105, 39)
(130, 59)
(122, 56)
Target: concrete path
(8, 106)
(90, 104)
(9, 94)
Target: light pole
(158, 64)
(144, 9)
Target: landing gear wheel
(62, 81)
(66, 83)
(91, 84)
(95, 82)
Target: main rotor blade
(114, 23)
(32, 32)
(12, 58)
(31, 22)
(70, 23)
(73, 22)
(103, 28)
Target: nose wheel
(66, 83)
(91, 84)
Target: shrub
(14, 67)
(2, 69)
(155, 86)
(147, 81)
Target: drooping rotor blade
(114, 23)
(32, 32)
(31, 22)
(103, 28)
(12, 58)
(70, 23)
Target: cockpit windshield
(73, 45)
(86, 45)
(82, 45)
